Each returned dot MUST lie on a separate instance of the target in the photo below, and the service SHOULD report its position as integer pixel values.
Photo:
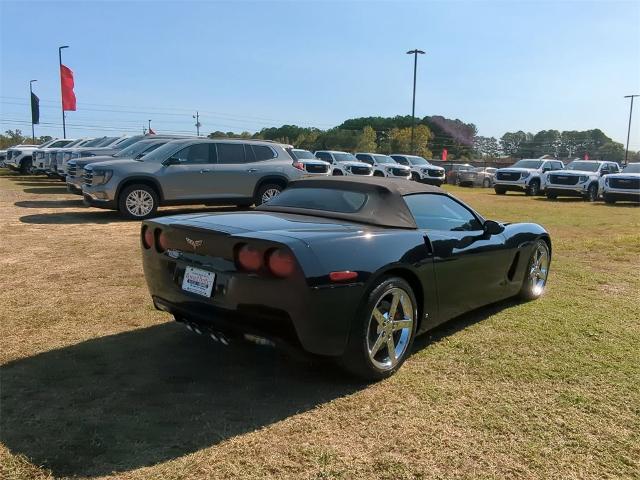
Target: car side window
(194, 154)
(262, 152)
(614, 168)
(440, 212)
(365, 158)
(401, 160)
(231, 153)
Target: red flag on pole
(444, 154)
(151, 132)
(68, 97)
(586, 156)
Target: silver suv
(191, 172)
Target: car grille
(564, 179)
(630, 183)
(71, 170)
(400, 172)
(509, 176)
(435, 173)
(88, 177)
(360, 170)
(313, 168)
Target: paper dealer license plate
(198, 281)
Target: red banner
(586, 156)
(68, 97)
(444, 154)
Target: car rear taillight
(147, 237)
(161, 241)
(248, 258)
(280, 262)
(298, 165)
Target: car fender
(145, 179)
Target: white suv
(581, 178)
(384, 165)
(525, 175)
(343, 163)
(20, 157)
(622, 186)
(421, 169)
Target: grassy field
(95, 383)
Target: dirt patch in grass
(97, 384)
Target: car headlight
(100, 177)
(583, 178)
(524, 175)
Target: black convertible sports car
(342, 267)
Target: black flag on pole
(35, 108)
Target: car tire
(378, 174)
(592, 193)
(337, 173)
(373, 335)
(499, 191)
(415, 177)
(25, 167)
(609, 199)
(266, 192)
(486, 183)
(537, 271)
(551, 196)
(533, 189)
(138, 202)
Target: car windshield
(304, 155)
(74, 143)
(137, 148)
(162, 153)
(418, 161)
(326, 199)
(91, 142)
(584, 166)
(384, 159)
(632, 168)
(129, 141)
(106, 141)
(528, 164)
(345, 157)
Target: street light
(198, 124)
(626, 152)
(149, 126)
(64, 126)
(415, 53)
(33, 132)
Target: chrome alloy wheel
(269, 194)
(539, 269)
(139, 203)
(390, 328)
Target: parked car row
(588, 179)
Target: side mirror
(171, 161)
(492, 228)
(546, 169)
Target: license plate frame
(198, 281)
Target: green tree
(367, 140)
(400, 141)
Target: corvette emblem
(194, 243)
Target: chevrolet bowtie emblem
(194, 243)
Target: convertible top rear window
(341, 201)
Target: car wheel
(25, 167)
(378, 174)
(266, 192)
(382, 332)
(415, 177)
(486, 183)
(609, 199)
(535, 279)
(138, 202)
(337, 172)
(499, 191)
(533, 189)
(592, 193)
(551, 196)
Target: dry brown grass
(95, 383)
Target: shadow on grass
(50, 203)
(134, 399)
(599, 203)
(107, 216)
(43, 183)
(56, 190)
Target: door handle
(206, 170)
(252, 170)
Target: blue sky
(502, 65)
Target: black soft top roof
(385, 205)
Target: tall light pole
(33, 132)
(415, 53)
(198, 125)
(626, 152)
(64, 126)
(149, 125)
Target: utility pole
(149, 125)
(198, 125)
(33, 132)
(415, 53)
(64, 126)
(626, 152)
